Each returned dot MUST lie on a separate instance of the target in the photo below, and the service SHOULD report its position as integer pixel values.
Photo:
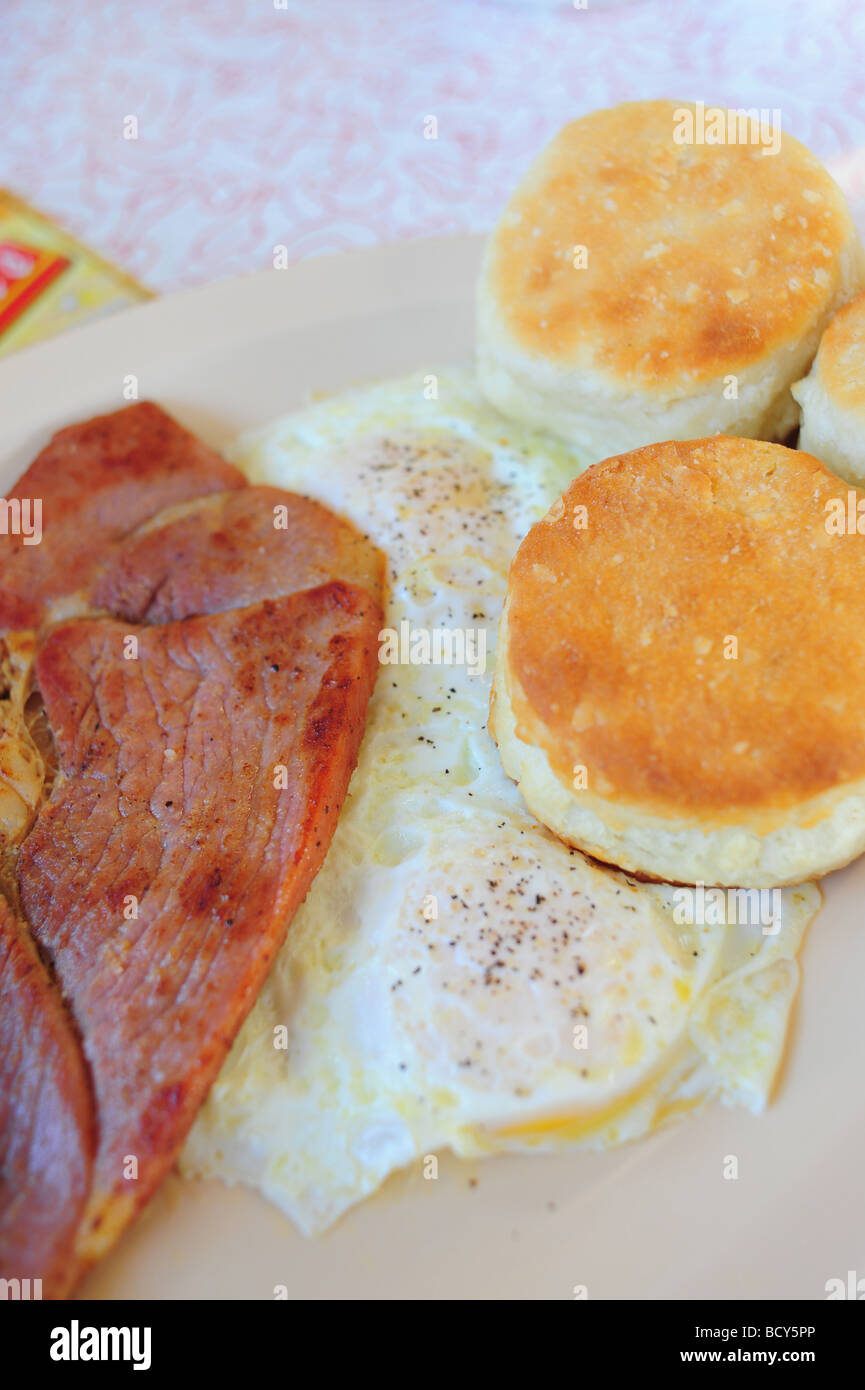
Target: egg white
(457, 978)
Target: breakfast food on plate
(204, 718)
(457, 977)
(642, 285)
(188, 656)
(678, 687)
(832, 396)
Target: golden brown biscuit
(680, 676)
(639, 287)
(832, 395)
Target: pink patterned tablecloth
(300, 123)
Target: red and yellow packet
(49, 281)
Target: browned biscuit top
(686, 624)
(841, 362)
(700, 258)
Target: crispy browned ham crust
(205, 746)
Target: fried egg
(457, 978)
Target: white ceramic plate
(654, 1220)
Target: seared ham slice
(229, 550)
(47, 1127)
(96, 482)
(204, 782)
(205, 737)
